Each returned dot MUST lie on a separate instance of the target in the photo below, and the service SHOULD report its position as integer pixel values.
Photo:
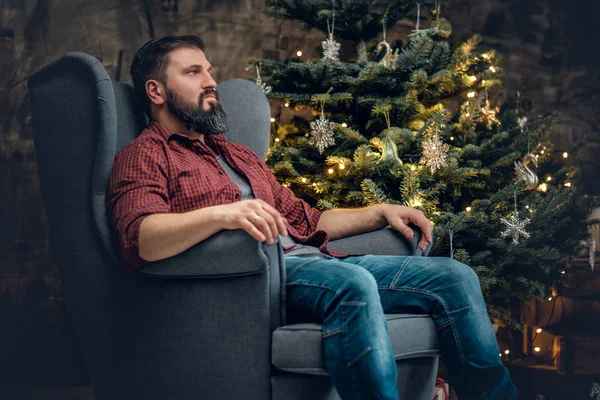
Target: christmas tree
(417, 125)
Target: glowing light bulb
(342, 166)
(565, 155)
(314, 184)
(303, 180)
(537, 349)
(549, 298)
(473, 78)
(506, 351)
(344, 125)
(527, 207)
(299, 53)
(492, 69)
(542, 152)
(468, 209)
(287, 104)
(471, 94)
(568, 184)
(549, 178)
(468, 114)
(539, 330)
(272, 119)
(451, 137)
(484, 55)
(284, 185)
(330, 170)
(563, 272)
(277, 139)
(413, 168)
(543, 187)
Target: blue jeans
(349, 297)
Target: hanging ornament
(441, 25)
(434, 153)
(262, 85)
(331, 48)
(391, 56)
(524, 173)
(522, 122)
(321, 132)
(592, 252)
(389, 152)
(488, 114)
(515, 226)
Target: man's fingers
(253, 231)
(403, 228)
(279, 220)
(266, 223)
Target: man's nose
(208, 82)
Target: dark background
(550, 54)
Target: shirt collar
(166, 133)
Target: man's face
(191, 94)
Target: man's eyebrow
(200, 67)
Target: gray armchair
(208, 323)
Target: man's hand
(259, 219)
(400, 216)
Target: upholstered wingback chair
(208, 323)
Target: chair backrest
(80, 119)
(117, 121)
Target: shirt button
(220, 172)
(237, 196)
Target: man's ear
(155, 92)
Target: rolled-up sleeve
(138, 187)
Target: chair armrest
(385, 241)
(225, 254)
(229, 254)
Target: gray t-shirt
(299, 250)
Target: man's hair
(151, 62)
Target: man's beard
(208, 122)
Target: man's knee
(358, 285)
(460, 273)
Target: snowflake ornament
(331, 49)
(263, 86)
(488, 115)
(321, 133)
(515, 227)
(434, 153)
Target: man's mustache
(208, 92)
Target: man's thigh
(313, 284)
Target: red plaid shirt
(162, 171)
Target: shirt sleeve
(298, 212)
(138, 187)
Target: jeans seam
(400, 270)
(297, 267)
(448, 313)
(332, 332)
(361, 355)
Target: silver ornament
(264, 87)
(524, 173)
(515, 227)
(522, 122)
(322, 131)
(592, 252)
(331, 49)
(434, 153)
(390, 57)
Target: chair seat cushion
(298, 348)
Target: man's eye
(193, 71)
